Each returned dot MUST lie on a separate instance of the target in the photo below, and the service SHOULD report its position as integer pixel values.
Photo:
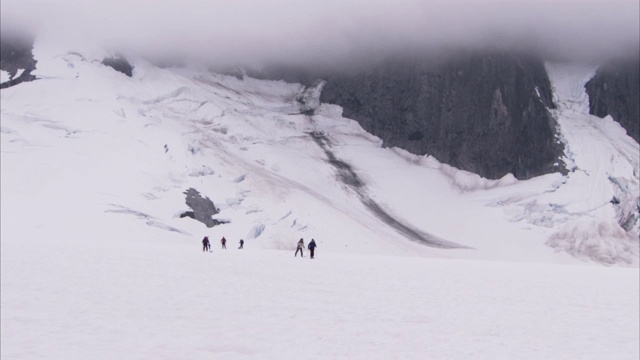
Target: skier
(300, 248)
(312, 247)
(241, 244)
(223, 241)
(205, 244)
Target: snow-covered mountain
(110, 148)
(95, 170)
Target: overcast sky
(237, 30)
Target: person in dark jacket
(223, 241)
(205, 244)
(312, 247)
(241, 244)
(300, 248)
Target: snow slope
(97, 262)
(136, 144)
(602, 190)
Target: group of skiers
(206, 246)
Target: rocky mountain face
(614, 90)
(15, 55)
(485, 113)
(119, 63)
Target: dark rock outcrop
(615, 91)
(120, 64)
(203, 208)
(485, 113)
(16, 54)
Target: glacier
(414, 256)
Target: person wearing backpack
(205, 244)
(223, 241)
(300, 248)
(312, 247)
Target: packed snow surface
(128, 299)
(416, 259)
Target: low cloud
(255, 31)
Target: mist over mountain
(447, 66)
(331, 33)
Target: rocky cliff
(485, 113)
(16, 56)
(614, 90)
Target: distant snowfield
(97, 263)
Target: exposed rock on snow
(16, 58)
(203, 208)
(119, 64)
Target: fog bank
(253, 31)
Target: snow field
(141, 300)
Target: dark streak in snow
(348, 177)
